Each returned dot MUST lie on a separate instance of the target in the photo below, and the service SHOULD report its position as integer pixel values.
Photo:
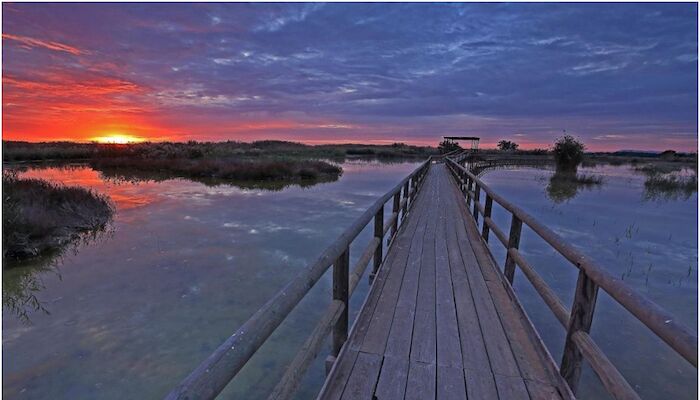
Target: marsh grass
(668, 180)
(40, 217)
(670, 186)
(291, 170)
(24, 151)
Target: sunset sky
(619, 76)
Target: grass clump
(40, 217)
(229, 169)
(670, 186)
(668, 180)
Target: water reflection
(119, 175)
(564, 185)
(21, 286)
(186, 265)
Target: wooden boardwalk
(440, 321)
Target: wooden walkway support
(441, 320)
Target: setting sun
(118, 139)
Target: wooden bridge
(441, 320)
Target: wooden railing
(212, 375)
(591, 277)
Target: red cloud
(30, 42)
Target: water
(132, 313)
(185, 264)
(649, 239)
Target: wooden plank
(391, 266)
(474, 354)
(377, 334)
(532, 357)
(392, 379)
(399, 340)
(531, 361)
(511, 388)
(451, 384)
(335, 384)
(424, 341)
(363, 378)
(542, 391)
(449, 349)
(497, 346)
(421, 381)
(480, 384)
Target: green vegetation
(568, 153)
(42, 218)
(507, 145)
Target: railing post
(516, 226)
(379, 234)
(477, 193)
(488, 205)
(405, 197)
(580, 320)
(395, 209)
(341, 269)
(470, 182)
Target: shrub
(507, 145)
(447, 146)
(568, 153)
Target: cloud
(32, 43)
(355, 72)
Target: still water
(184, 265)
(648, 238)
(129, 314)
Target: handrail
(591, 277)
(217, 370)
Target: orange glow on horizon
(118, 138)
